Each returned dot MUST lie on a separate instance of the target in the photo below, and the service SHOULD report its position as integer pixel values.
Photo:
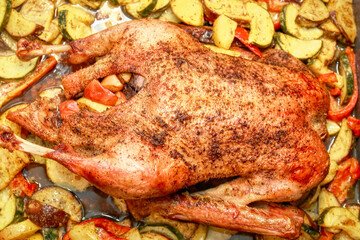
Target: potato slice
(223, 51)
(40, 12)
(189, 11)
(50, 33)
(12, 67)
(342, 144)
(342, 15)
(18, 26)
(63, 177)
(330, 29)
(7, 212)
(19, 230)
(84, 231)
(16, 3)
(11, 163)
(224, 31)
(312, 13)
(169, 16)
(235, 10)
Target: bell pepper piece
(97, 93)
(277, 25)
(346, 176)
(335, 91)
(337, 115)
(21, 187)
(325, 235)
(110, 230)
(354, 124)
(243, 35)
(327, 78)
(68, 107)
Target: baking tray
(95, 202)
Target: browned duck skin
(200, 116)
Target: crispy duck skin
(201, 115)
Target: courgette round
(5, 9)
(163, 229)
(146, 7)
(346, 71)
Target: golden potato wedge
(18, 26)
(224, 31)
(189, 11)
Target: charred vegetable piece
(342, 15)
(62, 199)
(5, 9)
(19, 213)
(188, 11)
(45, 215)
(235, 10)
(312, 13)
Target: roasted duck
(200, 116)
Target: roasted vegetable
(97, 93)
(12, 67)
(188, 11)
(342, 15)
(261, 25)
(40, 12)
(62, 199)
(347, 73)
(235, 10)
(5, 9)
(18, 26)
(223, 51)
(301, 49)
(74, 22)
(7, 208)
(19, 230)
(224, 31)
(342, 144)
(288, 24)
(341, 218)
(312, 13)
(45, 215)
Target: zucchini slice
(346, 71)
(50, 233)
(342, 144)
(18, 26)
(12, 67)
(189, 11)
(342, 15)
(261, 25)
(312, 13)
(163, 229)
(340, 218)
(146, 6)
(301, 49)
(5, 9)
(224, 31)
(169, 16)
(288, 24)
(74, 23)
(161, 5)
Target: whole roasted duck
(200, 116)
